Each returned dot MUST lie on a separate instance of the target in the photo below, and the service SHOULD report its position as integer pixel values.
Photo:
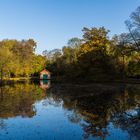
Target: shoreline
(80, 82)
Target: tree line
(18, 58)
(96, 56)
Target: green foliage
(93, 57)
(133, 68)
(5, 60)
(18, 58)
(96, 57)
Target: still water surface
(30, 111)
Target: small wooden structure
(45, 75)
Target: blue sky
(52, 22)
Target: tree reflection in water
(2, 124)
(18, 100)
(95, 108)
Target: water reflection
(105, 104)
(101, 111)
(18, 100)
(45, 84)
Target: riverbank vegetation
(96, 56)
(18, 59)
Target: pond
(40, 111)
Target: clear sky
(52, 22)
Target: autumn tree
(18, 58)
(5, 60)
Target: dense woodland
(95, 56)
(18, 58)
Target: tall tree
(5, 60)
(133, 25)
